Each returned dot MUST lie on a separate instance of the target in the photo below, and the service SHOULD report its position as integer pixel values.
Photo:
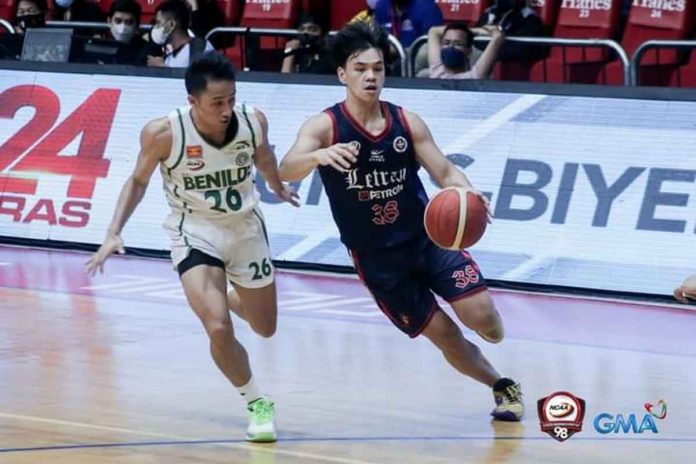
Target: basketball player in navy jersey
(368, 153)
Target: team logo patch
(194, 151)
(195, 164)
(355, 144)
(377, 155)
(242, 159)
(400, 144)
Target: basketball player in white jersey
(206, 152)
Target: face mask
(308, 40)
(64, 3)
(159, 36)
(453, 58)
(122, 32)
(31, 20)
(372, 4)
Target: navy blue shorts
(402, 280)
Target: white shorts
(239, 242)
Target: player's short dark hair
(42, 5)
(461, 26)
(177, 10)
(357, 37)
(126, 6)
(210, 66)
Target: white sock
(250, 392)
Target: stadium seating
(462, 10)
(645, 23)
(519, 71)
(7, 9)
(264, 53)
(578, 64)
(343, 11)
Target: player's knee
(265, 328)
(219, 330)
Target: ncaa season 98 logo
(561, 414)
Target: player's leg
(205, 288)
(457, 350)
(258, 305)
(477, 311)
(456, 277)
(251, 272)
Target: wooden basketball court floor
(115, 369)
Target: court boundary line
(260, 447)
(175, 439)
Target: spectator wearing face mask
(29, 14)
(307, 53)
(170, 31)
(449, 50)
(124, 21)
(516, 18)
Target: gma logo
(606, 423)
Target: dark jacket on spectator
(520, 22)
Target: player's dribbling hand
(687, 290)
(339, 156)
(486, 203)
(287, 193)
(112, 244)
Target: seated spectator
(449, 50)
(516, 18)
(307, 53)
(170, 31)
(408, 19)
(77, 10)
(29, 13)
(124, 21)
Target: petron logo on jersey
(376, 184)
(194, 153)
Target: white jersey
(208, 181)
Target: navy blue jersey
(380, 202)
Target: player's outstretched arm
(686, 290)
(155, 145)
(431, 158)
(267, 165)
(429, 155)
(311, 149)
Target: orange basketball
(455, 218)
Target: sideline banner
(587, 192)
